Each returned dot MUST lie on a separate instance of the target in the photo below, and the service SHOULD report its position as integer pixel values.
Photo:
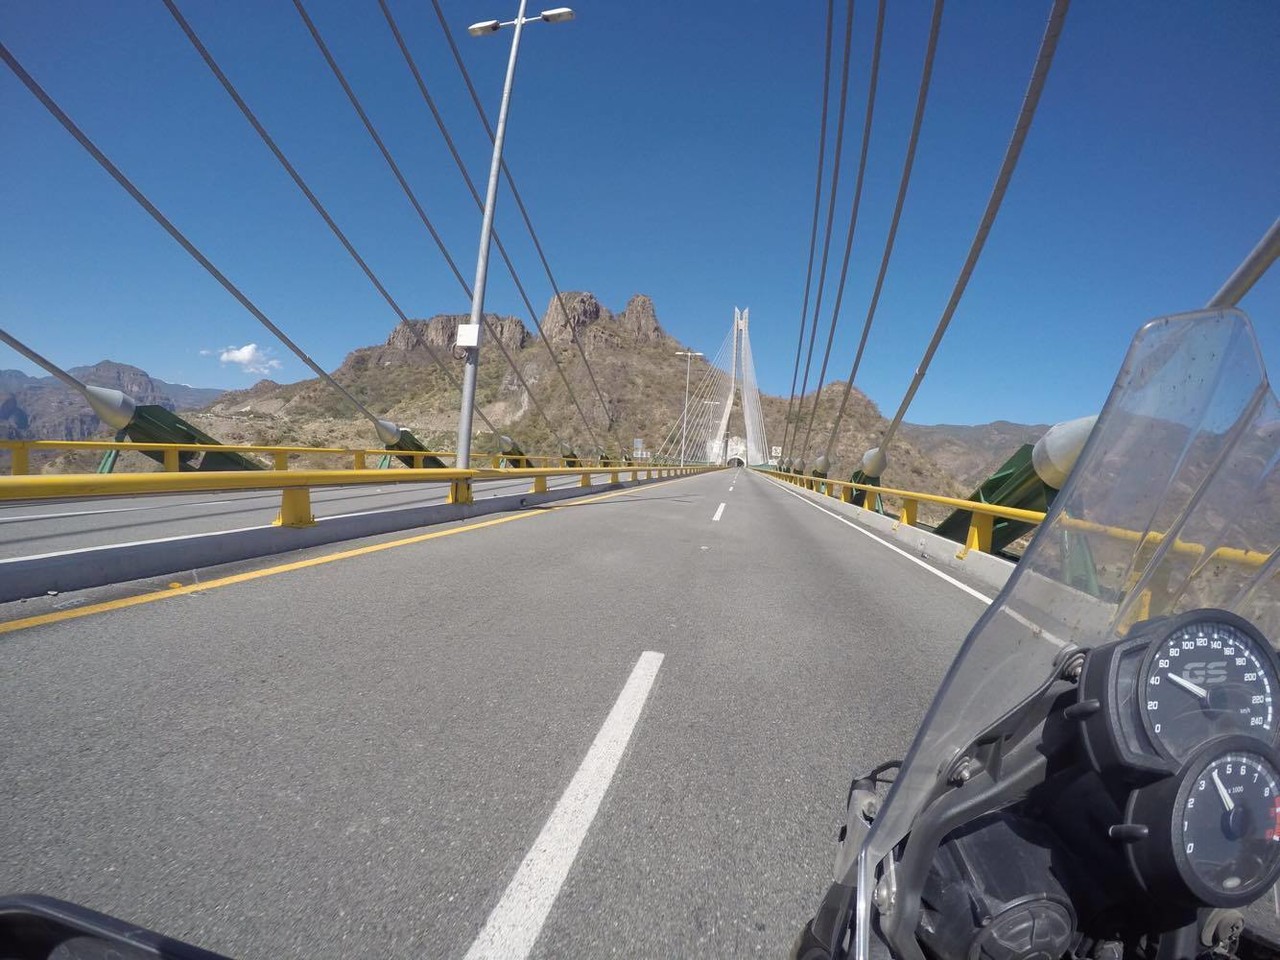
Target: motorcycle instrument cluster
(1182, 714)
(1208, 678)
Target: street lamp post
(684, 419)
(469, 333)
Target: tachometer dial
(1210, 834)
(1225, 832)
(1209, 676)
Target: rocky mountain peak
(133, 381)
(441, 332)
(580, 310)
(639, 320)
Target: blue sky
(665, 148)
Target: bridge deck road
(358, 755)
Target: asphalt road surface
(48, 526)
(619, 727)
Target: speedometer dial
(1206, 678)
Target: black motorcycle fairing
(34, 927)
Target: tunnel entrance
(737, 462)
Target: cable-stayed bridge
(703, 434)
(569, 700)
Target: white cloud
(250, 358)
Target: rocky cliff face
(440, 333)
(583, 316)
(398, 378)
(639, 321)
(580, 310)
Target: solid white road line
(880, 540)
(94, 513)
(514, 925)
(719, 513)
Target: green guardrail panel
(1015, 484)
(512, 454)
(1080, 568)
(154, 424)
(860, 496)
(408, 441)
(108, 462)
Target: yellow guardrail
(21, 450)
(279, 455)
(1153, 539)
(982, 515)
(295, 485)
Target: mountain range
(633, 366)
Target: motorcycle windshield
(1173, 505)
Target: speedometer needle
(1190, 687)
(1222, 792)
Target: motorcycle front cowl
(1097, 776)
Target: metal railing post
(979, 537)
(910, 510)
(460, 492)
(21, 460)
(295, 508)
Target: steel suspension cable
(817, 212)
(1251, 269)
(70, 126)
(909, 161)
(413, 199)
(702, 384)
(524, 213)
(249, 115)
(709, 416)
(751, 404)
(1039, 74)
(831, 210)
(475, 195)
(705, 387)
(678, 437)
(708, 419)
(853, 217)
